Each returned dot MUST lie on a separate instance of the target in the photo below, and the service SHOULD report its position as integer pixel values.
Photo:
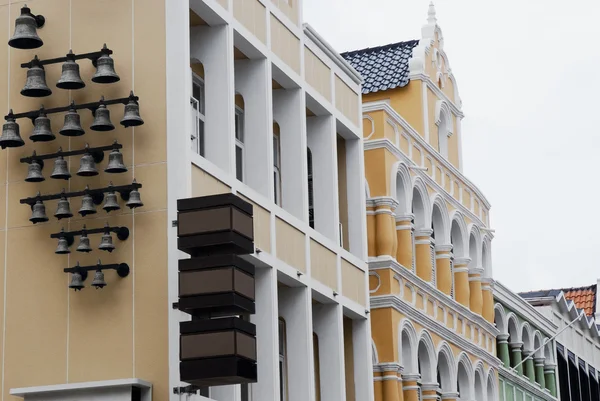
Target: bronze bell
(87, 166)
(26, 25)
(98, 281)
(84, 242)
(34, 171)
(102, 118)
(63, 244)
(111, 202)
(106, 243)
(72, 125)
(134, 198)
(42, 132)
(87, 205)
(61, 171)
(70, 78)
(35, 86)
(76, 281)
(115, 162)
(10, 134)
(38, 214)
(105, 69)
(63, 210)
(131, 117)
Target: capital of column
(550, 368)
(423, 232)
(539, 361)
(476, 270)
(502, 338)
(450, 396)
(444, 249)
(430, 386)
(462, 261)
(390, 367)
(411, 377)
(385, 203)
(407, 217)
(516, 346)
(528, 352)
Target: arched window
(443, 137)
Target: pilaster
(405, 238)
(487, 291)
(539, 371)
(443, 256)
(386, 242)
(516, 355)
(461, 281)
(550, 377)
(423, 242)
(411, 388)
(475, 294)
(529, 366)
(503, 350)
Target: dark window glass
(311, 209)
(563, 375)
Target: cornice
(434, 293)
(524, 383)
(393, 301)
(440, 94)
(388, 145)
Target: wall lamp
(67, 238)
(79, 274)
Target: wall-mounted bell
(10, 134)
(34, 171)
(63, 210)
(63, 244)
(84, 242)
(87, 205)
(26, 25)
(76, 281)
(105, 70)
(111, 203)
(61, 171)
(87, 166)
(102, 118)
(35, 86)
(38, 214)
(134, 198)
(98, 281)
(72, 125)
(42, 132)
(131, 116)
(115, 162)
(70, 78)
(106, 243)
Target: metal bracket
(122, 233)
(189, 389)
(70, 56)
(97, 153)
(97, 194)
(122, 269)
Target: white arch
(479, 381)
(367, 190)
(407, 346)
(538, 341)
(513, 327)
(500, 318)
(527, 337)
(421, 208)
(446, 368)
(548, 353)
(440, 220)
(458, 234)
(475, 244)
(401, 174)
(486, 257)
(492, 392)
(465, 377)
(427, 358)
(375, 355)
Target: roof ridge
(384, 47)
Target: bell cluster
(26, 37)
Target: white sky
(528, 75)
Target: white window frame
(198, 138)
(283, 358)
(239, 142)
(277, 169)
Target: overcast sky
(528, 73)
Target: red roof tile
(583, 297)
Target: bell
(87, 205)
(110, 202)
(102, 118)
(41, 129)
(131, 117)
(61, 171)
(105, 69)
(63, 210)
(63, 244)
(106, 243)
(76, 281)
(34, 172)
(115, 162)
(87, 166)
(10, 134)
(35, 86)
(98, 281)
(134, 199)
(70, 78)
(26, 36)
(38, 214)
(72, 126)
(84, 243)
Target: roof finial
(431, 19)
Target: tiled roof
(583, 297)
(383, 67)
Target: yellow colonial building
(432, 308)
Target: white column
(266, 321)
(288, 112)
(252, 81)
(357, 215)
(213, 47)
(363, 360)
(295, 309)
(327, 323)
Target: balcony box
(216, 352)
(217, 224)
(218, 285)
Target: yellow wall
(407, 101)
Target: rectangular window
(277, 169)
(197, 102)
(282, 361)
(239, 144)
